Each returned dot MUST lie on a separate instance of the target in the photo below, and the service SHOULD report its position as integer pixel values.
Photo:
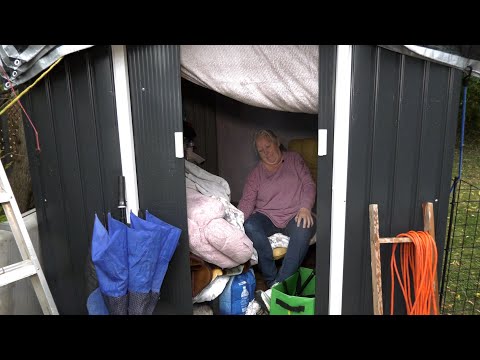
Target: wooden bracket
(376, 240)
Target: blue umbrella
(143, 250)
(169, 245)
(131, 263)
(95, 303)
(109, 255)
(161, 239)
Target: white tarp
(279, 77)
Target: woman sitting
(278, 197)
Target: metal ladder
(30, 266)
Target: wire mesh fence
(460, 285)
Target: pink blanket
(212, 237)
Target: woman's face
(268, 150)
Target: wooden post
(375, 260)
(429, 227)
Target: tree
(472, 116)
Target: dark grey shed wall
(154, 73)
(402, 137)
(199, 106)
(75, 174)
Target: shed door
(154, 74)
(75, 175)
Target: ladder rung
(394, 240)
(15, 272)
(5, 197)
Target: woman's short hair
(265, 133)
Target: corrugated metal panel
(75, 175)
(400, 155)
(326, 104)
(154, 72)
(199, 105)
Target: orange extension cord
(418, 258)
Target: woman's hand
(305, 215)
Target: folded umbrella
(167, 237)
(144, 243)
(110, 257)
(131, 263)
(169, 245)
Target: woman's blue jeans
(259, 227)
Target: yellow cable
(28, 88)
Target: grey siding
(200, 109)
(75, 174)
(154, 72)
(326, 105)
(402, 136)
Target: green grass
(471, 161)
(462, 287)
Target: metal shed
(390, 121)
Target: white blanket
(204, 182)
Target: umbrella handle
(122, 203)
